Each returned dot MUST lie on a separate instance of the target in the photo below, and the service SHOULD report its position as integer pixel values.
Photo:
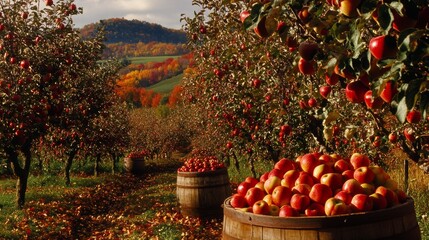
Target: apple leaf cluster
(342, 74)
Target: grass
(167, 85)
(140, 60)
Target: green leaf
(385, 18)
(424, 103)
(402, 110)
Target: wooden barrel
(398, 222)
(201, 194)
(134, 165)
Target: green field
(139, 60)
(165, 86)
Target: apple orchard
(282, 78)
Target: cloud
(164, 12)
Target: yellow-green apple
(390, 195)
(345, 196)
(332, 180)
(289, 178)
(383, 47)
(358, 160)
(334, 206)
(271, 183)
(327, 159)
(253, 181)
(281, 195)
(260, 185)
(288, 211)
(391, 184)
(342, 165)
(315, 209)
(364, 175)
(261, 207)
(301, 188)
(284, 165)
(379, 201)
(361, 203)
(352, 186)
(320, 170)
(380, 175)
(238, 201)
(306, 178)
(347, 174)
(264, 177)
(300, 202)
(320, 193)
(274, 210)
(402, 195)
(269, 199)
(355, 91)
(308, 162)
(349, 7)
(368, 188)
(253, 195)
(243, 187)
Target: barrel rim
(318, 222)
(201, 174)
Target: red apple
(389, 91)
(253, 181)
(383, 47)
(276, 172)
(371, 101)
(320, 193)
(352, 186)
(268, 199)
(260, 185)
(315, 209)
(361, 203)
(380, 175)
(306, 178)
(289, 178)
(347, 174)
(242, 188)
(301, 188)
(264, 177)
(320, 170)
(288, 211)
(306, 67)
(308, 162)
(409, 134)
(390, 195)
(325, 90)
(342, 165)
(355, 91)
(271, 183)
(253, 195)
(358, 160)
(414, 116)
(49, 2)
(300, 202)
(349, 7)
(332, 180)
(243, 15)
(332, 79)
(261, 207)
(24, 64)
(284, 164)
(345, 196)
(328, 160)
(281, 195)
(238, 201)
(261, 29)
(379, 201)
(402, 195)
(364, 175)
(334, 206)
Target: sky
(164, 12)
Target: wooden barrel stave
(134, 165)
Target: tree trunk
(115, 159)
(97, 165)
(68, 166)
(21, 172)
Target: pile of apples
(141, 154)
(319, 185)
(201, 164)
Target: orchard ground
(129, 207)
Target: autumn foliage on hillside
(135, 78)
(120, 50)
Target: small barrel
(134, 165)
(201, 194)
(398, 222)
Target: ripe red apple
(308, 49)
(347, 174)
(274, 210)
(271, 183)
(361, 203)
(301, 188)
(264, 177)
(342, 165)
(325, 90)
(24, 64)
(312, 102)
(364, 175)
(393, 137)
(72, 7)
(358, 160)
(49, 2)
(300, 202)
(333, 180)
(345, 196)
(243, 15)
(414, 116)
(320, 193)
(243, 187)
(352, 186)
(306, 67)
(332, 79)
(308, 162)
(389, 91)
(368, 188)
(268, 199)
(320, 170)
(276, 172)
(315, 209)
(306, 178)
(355, 91)
(379, 201)
(380, 175)
(402, 195)
(371, 101)
(261, 207)
(253, 195)
(289, 178)
(238, 201)
(281, 195)
(288, 211)
(383, 47)
(284, 164)
(390, 195)
(328, 160)
(334, 206)
(260, 185)
(403, 22)
(253, 181)
(409, 134)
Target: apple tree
(42, 57)
(283, 76)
